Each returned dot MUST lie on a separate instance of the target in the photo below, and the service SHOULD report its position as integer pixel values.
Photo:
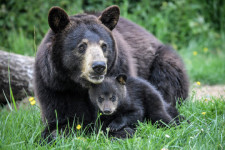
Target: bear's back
(135, 35)
(140, 44)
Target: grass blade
(10, 89)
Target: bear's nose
(99, 66)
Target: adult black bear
(82, 49)
(125, 100)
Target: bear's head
(83, 47)
(110, 94)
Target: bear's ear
(121, 78)
(110, 16)
(57, 19)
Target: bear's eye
(104, 47)
(100, 99)
(82, 47)
(113, 98)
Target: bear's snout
(99, 67)
(94, 65)
(107, 111)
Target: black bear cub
(125, 100)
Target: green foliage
(18, 19)
(175, 22)
(22, 130)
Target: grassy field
(22, 130)
(204, 62)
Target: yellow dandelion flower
(205, 49)
(31, 99)
(206, 100)
(203, 113)
(198, 83)
(195, 53)
(78, 127)
(33, 102)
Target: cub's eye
(100, 99)
(82, 47)
(113, 98)
(104, 47)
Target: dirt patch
(207, 91)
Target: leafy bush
(175, 22)
(28, 17)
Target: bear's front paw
(115, 126)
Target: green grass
(22, 130)
(208, 66)
(20, 44)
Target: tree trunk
(15, 71)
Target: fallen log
(16, 71)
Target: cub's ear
(110, 16)
(57, 19)
(121, 78)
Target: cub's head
(108, 95)
(83, 45)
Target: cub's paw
(125, 132)
(115, 126)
